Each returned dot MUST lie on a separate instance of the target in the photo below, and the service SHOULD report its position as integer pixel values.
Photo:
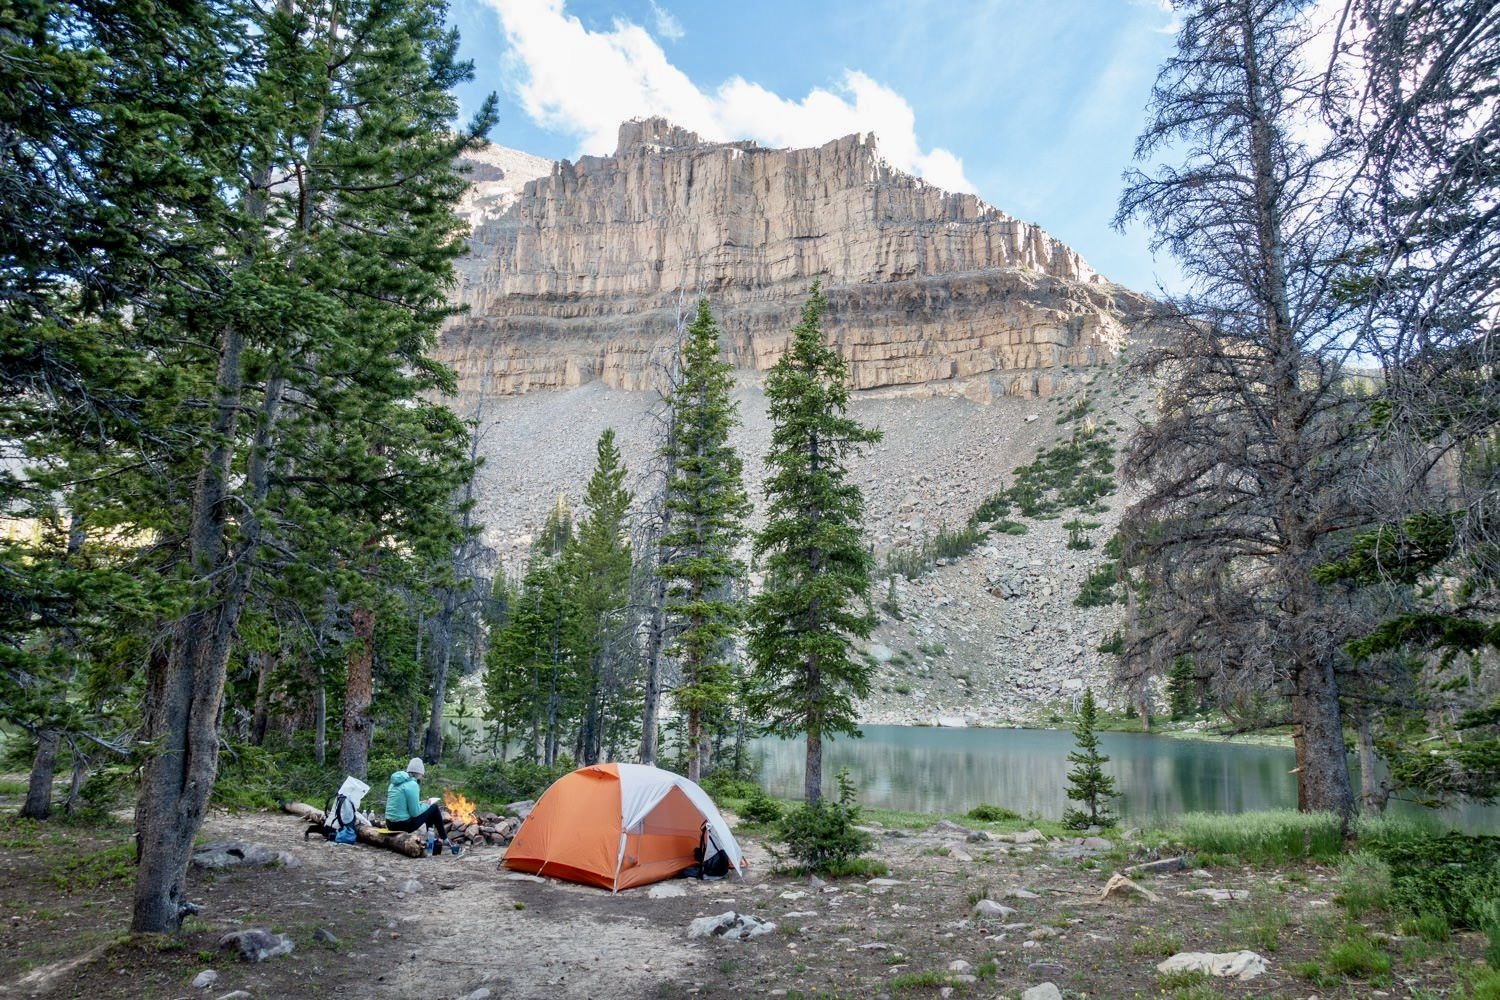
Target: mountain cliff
(577, 271)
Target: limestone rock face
(577, 271)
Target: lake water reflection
(953, 770)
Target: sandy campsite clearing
(368, 923)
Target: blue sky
(1033, 104)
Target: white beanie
(415, 766)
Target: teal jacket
(403, 799)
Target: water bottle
(431, 843)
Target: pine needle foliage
(817, 589)
(706, 507)
(1087, 782)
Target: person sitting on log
(404, 810)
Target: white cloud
(587, 82)
(667, 25)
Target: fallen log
(311, 814)
(413, 845)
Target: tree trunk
(74, 803)
(1373, 791)
(432, 745)
(262, 713)
(38, 804)
(812, 779)
(320, 721)
(359, 691)
(185, 682)
(1323, 765)
(694, 741)
(655, 635)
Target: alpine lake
(952, 770)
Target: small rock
(1098, 843)
(948, 826)
(887, 882)
(1162, 867)
(1043, 991)
(1046, 969)
(483, 993)
(324, 936)
(793, 894)
(411, 885)
(1121, 887)
(1226, 965)
(731, 925)
(1021, 894)
(1218, 895)
(523, 877)
(236, 995)
(990, 908)
(1044, 933)
(205, 979)
(666, 890)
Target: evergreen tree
(1087, 782)
(817, 567)
(1248, 473)
(598, 567)
(706, 506)
(336, 272)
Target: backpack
(338, 821)
(342, 814)
(712, 865)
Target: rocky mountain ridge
(580, 274)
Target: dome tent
(618, 826)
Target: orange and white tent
(618, 826)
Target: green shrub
(1449, 874)
(501, 781)
(728, 785)
(986, 813)
(824, 837)
(760, 808)
(1098, 589)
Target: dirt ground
(447, 927)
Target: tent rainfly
(618, 826)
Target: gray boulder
(730, 925)
(223, 854)
(257, 944)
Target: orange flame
(461, 811)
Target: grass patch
(108, 866)
(1359, 958)
(1260, 926)
(1180, 980)
(1364, 883)
(1153, 943)
(1270, 837)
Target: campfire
(467, 827)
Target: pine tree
(817, 567)
(598, 568)
(1087, 782)
(706, 506)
